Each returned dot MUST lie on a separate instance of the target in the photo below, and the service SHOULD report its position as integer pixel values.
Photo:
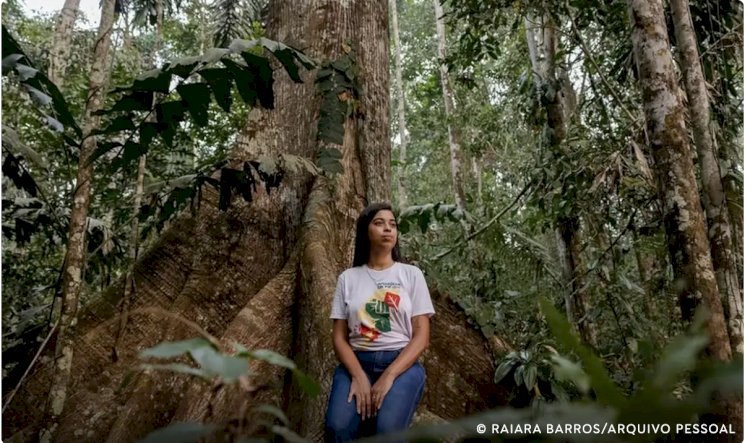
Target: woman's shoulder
(411, 269)
(349, 272)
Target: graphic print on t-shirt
(375, 315)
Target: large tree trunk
(683, 218)
(714, 199)
(61, 42)
(74, 255)
(448, 100)
(400, 105)
(262, 273)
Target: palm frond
(234, 19)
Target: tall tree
(454, 140)
(714, 198)
(61, 42)
(263, 274)
(400, 105)
(74, 256)
(683, 218)
(560, 110)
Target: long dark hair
(362, 239)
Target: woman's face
(382, 230)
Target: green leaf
(606, 390)
(228, 367)
(272, 357)
(39, 97)
(25, 72)
(179, 368)
(154, 80)
(529, 376)
(566, 370)
(184, 67)
(169, 114)
(103, 148)
(213, 55)
(10, 61)
(119, 123)
(135, 101)
(238, 45)
(174, 349)
(198, 97)
(424, 221)
(308, 385)
(505, 367)
(220, 81)
(245, 81)
(180, 432)
(147, 132)
(263, 76)
(680, 355)
(131, 152)
(54, 124)
(287, 59)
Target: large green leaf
(262, 76)
(198, 97)
(230, 368)
(606, 390)
(272, 357)
(14, 58)
(174, 349)
(221, 86)
(180, 368)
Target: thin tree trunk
(567, 229)
(714, 199)
(74, 255)
(129, 287)
(478, 176)
(448, 100)
(648, 271)
(62, 42)
(683, 218)
(401, 105)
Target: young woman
(381, 311)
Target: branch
(730, 32)
(586, 51)
(31, 365)
(487, 225)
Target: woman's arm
(343, 349)
(360, 388)
(419, 342)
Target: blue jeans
(395, 414)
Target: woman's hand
(380, 389)
(361, 390)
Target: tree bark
(400, 105)
(62, 42)
(448, 100)
(263, 273)
(714, 198)
(74, 255)
(683, 218)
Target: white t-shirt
(379, 305)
